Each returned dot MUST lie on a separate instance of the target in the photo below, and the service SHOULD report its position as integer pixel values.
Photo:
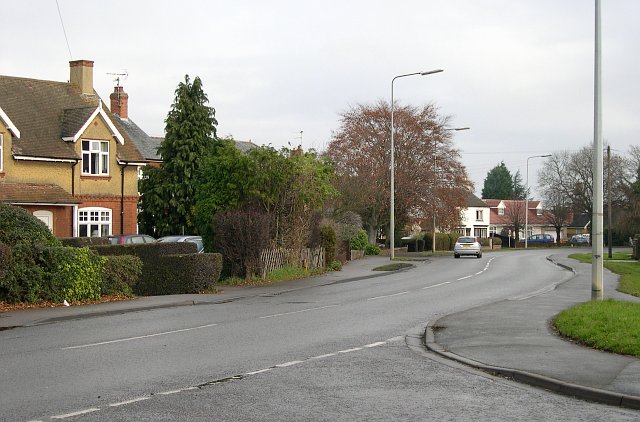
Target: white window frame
(97, 220)
(95, 150)
(500, 211)
(479, 215)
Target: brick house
(65, 157)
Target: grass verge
(393, 267)
(629, 271)
(277, 275)
(605, 325)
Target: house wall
(113, 203)
(62, 218)
(470, 222)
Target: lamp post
(526, 201)
(392, 201)
(597, 286)
(435, 179)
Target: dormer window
(500, 211)
(539, 211)
(95, 158)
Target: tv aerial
(124, 74)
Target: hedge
(170, 268)
(83, 242)
(71, 274)
(120, 274)
(182, 274)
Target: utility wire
(64, 31)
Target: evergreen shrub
(328, 242)
(120, 274)
(71, 274)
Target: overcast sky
(518, 72)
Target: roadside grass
(393, 267)
(275, 276)
(629, 271)
(609, 325)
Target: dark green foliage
(168, 193)
(17, 225)
(24, 277)
(120, 274)
(5, 257)
(372, 249)
(360, 241)
(328, 236)
(151, 255)
(498, 184)
(83, 242)
(420, 245)
(71, 274)
(241, 235)
(519, 190)
(182, 274)
(334, 266)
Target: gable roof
(47, 111)
(147, 145)
(473, 201)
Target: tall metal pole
(609, 235)
(526, 201)
(392, 169)
(597, 290)
(435, 194)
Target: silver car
(192, 239)
(467, 245)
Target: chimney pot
(119, 102)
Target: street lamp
(435, 178)
(526, 201)
(392, 205)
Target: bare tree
(360, 151)
(515, 212)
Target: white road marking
(464, 278)
(259, 371)
(78, 413)
(166, 393)
(382, 297)
(354, 349)
(380, 343)
(297, 312)
(122, 403)
(328, 355)
(436, 285)
(138, 337)
(293, 362)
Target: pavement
(512, 338)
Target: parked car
(580, 240)
(467, 245)
(130, 238)
(193, 239)
(540, 239)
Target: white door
(46, 217)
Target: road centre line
(291, 363)
(437, 285)
(78, 413)
(297, 312)
(138, 337)
(167, 393)
(122, 403)
(382, 297)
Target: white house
(475, 217)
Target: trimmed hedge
(83, 242)
(170, 268)
(71, 274)
(328, 242)
(181, 274)
(120, 274)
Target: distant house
(505, 212)
(475, 217)
(66, 158)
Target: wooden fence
(307, 258)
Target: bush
(120, 274)
(151, 255)
(328, 236)
(17, 225)
(83, 242)
(182, 274)
(420, 245)
(372, 249)
(23, 279)
(334, 266)
(360, 241)
(241, 235)
(71, 274)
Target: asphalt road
(334, 352)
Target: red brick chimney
(119, 102)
